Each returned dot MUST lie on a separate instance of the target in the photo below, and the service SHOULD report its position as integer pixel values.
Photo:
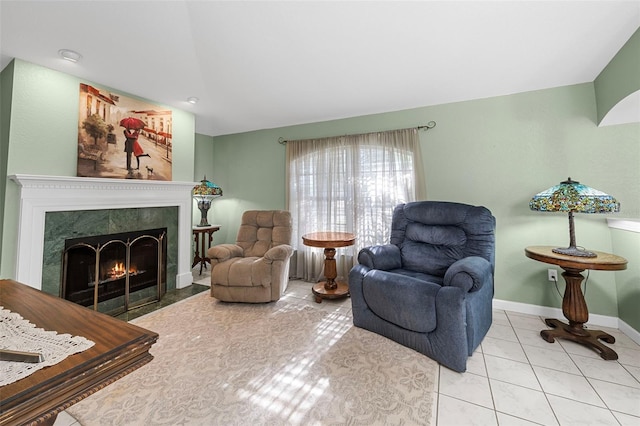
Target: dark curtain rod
(429, 125)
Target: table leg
(205, 245)
(202, 243)
(574, 308)
(330, 288)
(196, 256)
(202, 262)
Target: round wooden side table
(574, 306)
(330, 288)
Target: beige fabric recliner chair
(256, 268)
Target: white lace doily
(18, 334)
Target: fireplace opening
(114, 273)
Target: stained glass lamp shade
(203, 194)
(572, 196)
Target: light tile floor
(517, 378)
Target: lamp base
(574, 251)
(203, 206)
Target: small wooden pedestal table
(202, 237)
(574, 306)
(329, 289)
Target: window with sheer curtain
(350, 184)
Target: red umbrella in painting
(132, 123)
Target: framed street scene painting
(121, 137)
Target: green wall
(42, 139)
(627, 245)
(6, 82)
(203, 166)
(620, 78)
(496, 152)
(250, 169)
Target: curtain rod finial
(429, 125)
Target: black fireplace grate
(115, 272)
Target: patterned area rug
(268, 364)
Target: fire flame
(118, 270)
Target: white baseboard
(545, 311)
(184, 280)
(629, 331)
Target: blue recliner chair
(430, 289)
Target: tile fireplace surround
(42, 194)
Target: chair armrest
(222, 252)
(469, 273)
(383, 257)
(281, 252)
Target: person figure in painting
(131, 145)
(138, 151)
(130, 138)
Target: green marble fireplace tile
(124, 220)
(52, 251)
(73, 224)
(51, 279)
(155, 218)
(90, 222)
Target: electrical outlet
(552, 275)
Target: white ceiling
(267, 64)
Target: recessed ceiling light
(193, 100)
(70, 55)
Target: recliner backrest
(261, 230)
(432, 235)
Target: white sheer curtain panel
(351, 184)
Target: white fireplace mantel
(42, 194)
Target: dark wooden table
(330, 288)
(574, 306)
(119, 349)
(202, 237)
